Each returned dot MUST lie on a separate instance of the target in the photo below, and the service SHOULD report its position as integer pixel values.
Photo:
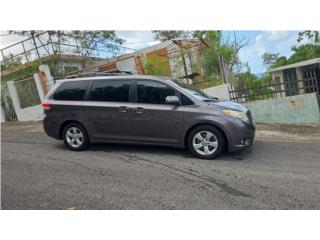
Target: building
(177, 58)
(64, 64)
(297, 78)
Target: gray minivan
(140, 109)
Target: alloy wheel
(205, 143)
(74, 137)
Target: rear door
(107, 111)
(153, 120)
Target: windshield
(197, 93)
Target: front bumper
(241, 135)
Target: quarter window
(185, 100)
(153, 92)
(110, 90)
(71, 91)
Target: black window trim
(178, 93)
(135, 98)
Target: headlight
(241, 115)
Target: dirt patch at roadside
(16, 126)
(288, 131)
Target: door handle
(139, 110)
(123, 109)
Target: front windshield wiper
(211, 99)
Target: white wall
(128, 64)
(221, 91)
(3, 118)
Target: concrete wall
(32, 113)
(220, 91)
(299, 109)
(3, 118)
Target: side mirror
(173, 100)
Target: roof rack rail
(98, 74)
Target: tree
(314, 36)
(168, 35)
(230, 51)
(269, 59)
(10, 62)
(304, 52)
(281, 61)
(272, 60)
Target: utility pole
(223, 76)
(185, 67)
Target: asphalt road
(39, 173)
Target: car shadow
(160, 150)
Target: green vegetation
(211, 56)
(155, 65)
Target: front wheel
(206, 142)
(75, 137)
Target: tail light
(46, 106)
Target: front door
(153, 120)
(107, 112)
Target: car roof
(127, 77)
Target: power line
(139, 42)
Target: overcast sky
(259, 42)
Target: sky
(259, 42)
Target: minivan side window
(110, 90)
(186, 101)
(153, 92)
(71, 91)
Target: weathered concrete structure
(177, 58)
(24, 114)
(299, 109)
(44, 82)
(297, 78)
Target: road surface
(39, 173)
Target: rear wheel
(206, 142)
(75, 137)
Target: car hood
(230, 105)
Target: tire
(79, 136)
(206, 142)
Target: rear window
(110, 90)
(71, 91)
